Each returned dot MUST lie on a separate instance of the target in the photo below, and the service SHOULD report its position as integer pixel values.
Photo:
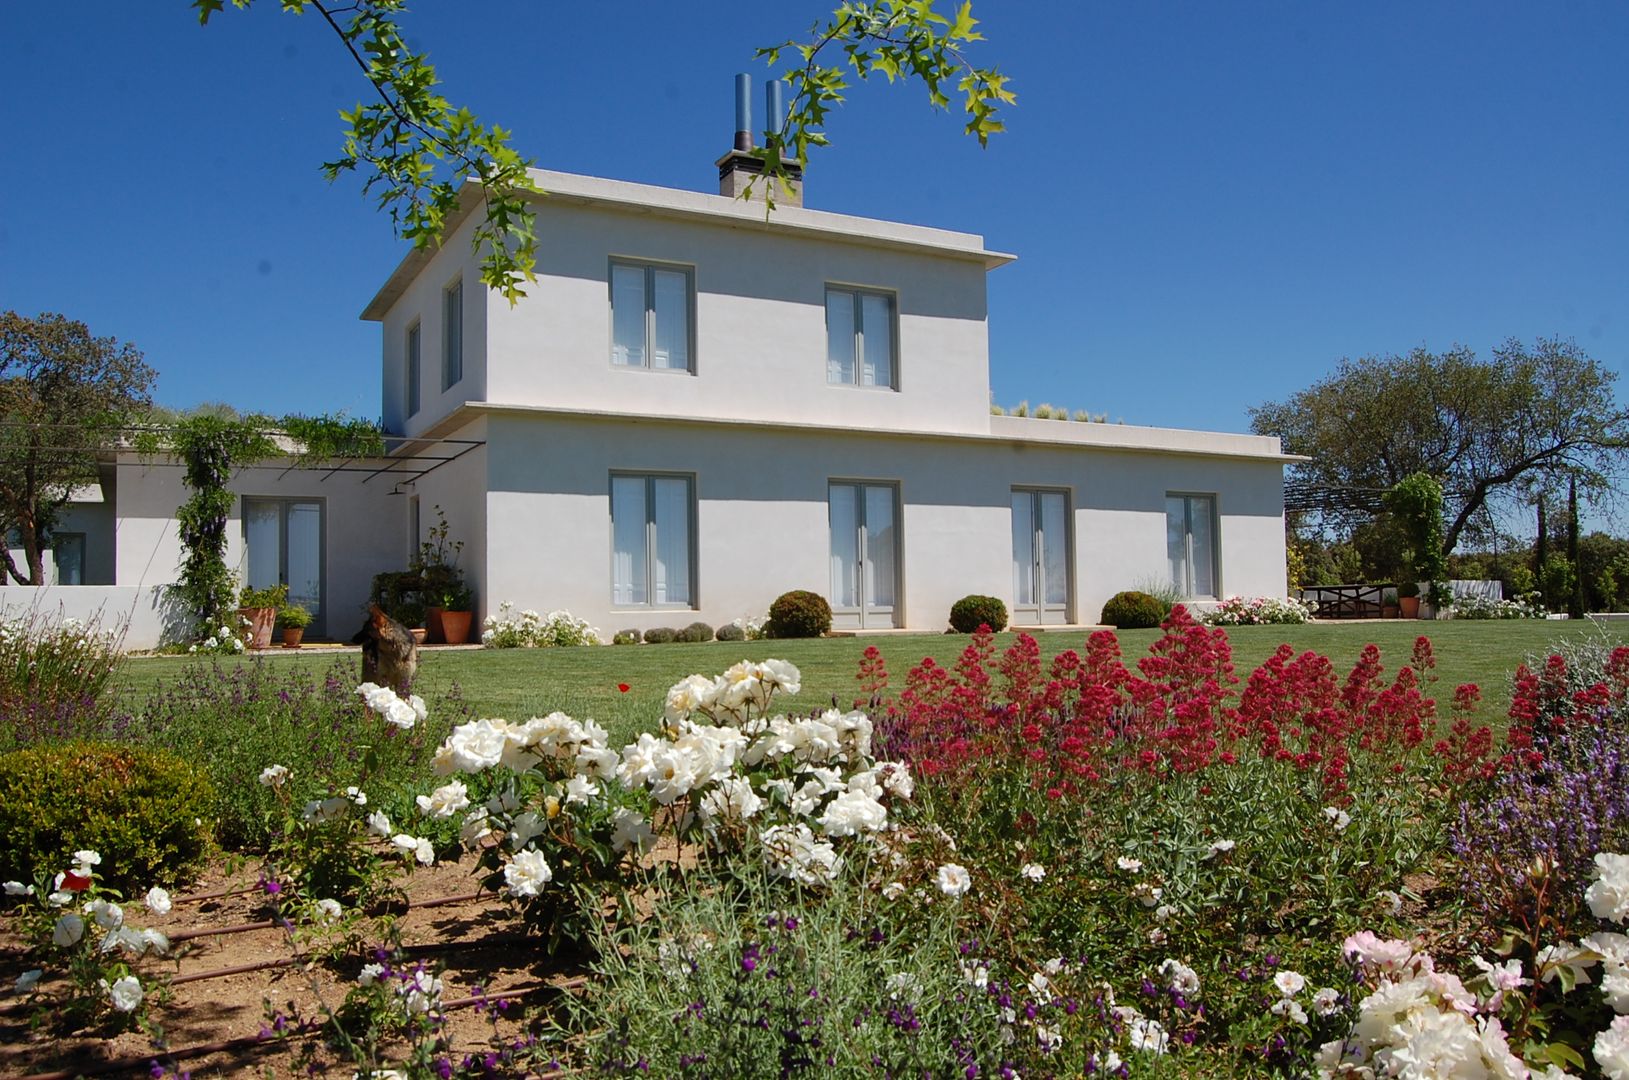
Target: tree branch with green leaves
(415, 149)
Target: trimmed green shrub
(142, 810)
(695, 632)
(660, 635)
(1132, 610)
(625, 637)
(731, 632)
(971, 612)
(798, 614)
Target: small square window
(651, 309)
(860, 337)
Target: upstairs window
(413, 369)
(452, 335)
(860, 336)
(651, 316)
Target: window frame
(1188, 497)
(413, 363)
(652, 540)
(650, 266)
(452, 347)
(858, 293)
(63, 539)
(319, 624)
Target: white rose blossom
(274, 776)
(527, 873)
(158, 901)
(124, 994)
(953, 880)
(1032, 871)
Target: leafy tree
(414, 147)
(1488, 429)
(63, 394)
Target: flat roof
(574, 190)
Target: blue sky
(1212, 204)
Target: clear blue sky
(1212, 203)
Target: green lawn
(584, 682)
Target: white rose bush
(94, 962)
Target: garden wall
(152, 620)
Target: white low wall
(152, 620)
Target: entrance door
(1040, 557)
(284, 538)
(864, 555)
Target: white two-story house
(699, 406)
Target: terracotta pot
(1388, 611)
(292, 636)
(455, 626)
(261, 622)
(419, 634)
(1410, 606)
(432, 625)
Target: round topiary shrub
(625, 637)
(660, 635)
(142, 810)
(696, 631)
(1132, 610)
(798, 614)
(971, 612)
(731, 632)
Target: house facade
(700, 405)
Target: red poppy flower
(623, 687)
(76, 882)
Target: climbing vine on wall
(211, 448)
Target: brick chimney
(738, 168)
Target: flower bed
(1002, 867)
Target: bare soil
(474, 942)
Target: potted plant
(1388, 603)
(1408, 599)
(259, 608)
(457, 612)
(292, 619)
(436, 567)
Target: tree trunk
(1541, 548)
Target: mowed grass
(586, 682)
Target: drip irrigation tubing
(268, 924)
(144, 1062)
(290, 961)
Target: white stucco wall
(761, 519)
(422, 302)
(147, 619)
(364, 528)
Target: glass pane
(305, 556)
(1176, 543)
(627, 540)
(671, 348)
(845, 545)
(263, 536)
(628, 315)
(413, 371)
(1054, 548)
(877, 332)
(1023, 549)
(839, 336)
(672, 540)
(69, 553)
(879, 547)
(1202, 547)
(453, 333)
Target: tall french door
(1040, 557)
(864, 554)
(284, 541)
